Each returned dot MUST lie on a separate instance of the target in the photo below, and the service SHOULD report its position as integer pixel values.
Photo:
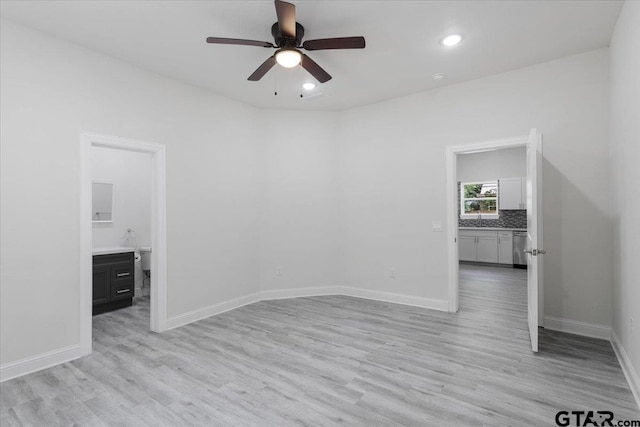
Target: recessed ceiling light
(452, 40)
(438, 76)
(308, 86)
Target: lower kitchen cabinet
(467, 249)
(478, 245)
(489, 246)
(505, 247)
(113, 283)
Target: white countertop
(112, 250)
(492, 228)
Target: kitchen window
(479, 198)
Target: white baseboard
(301, 292)
(629, 371)
(274, 294)
(212, 310)
(577, 327)
(37, 363)
(433, 304)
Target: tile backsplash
(508, 219)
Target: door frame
(158, 315)
(452, 153)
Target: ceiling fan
(288, 34)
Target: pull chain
(275, 82)
(301, 77)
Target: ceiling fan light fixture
(452, 40)
(288, 58)
(308, 86)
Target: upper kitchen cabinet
(513, 194)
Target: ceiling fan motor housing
(282, 41)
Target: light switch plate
(436, 225)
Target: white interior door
(534, 232)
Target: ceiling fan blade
(262, 70)
(286, 18)
(314, 69)
(335, 43)
(222, 40)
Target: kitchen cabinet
(467, 248)
(512, 193)
(505, 247)
(113, 283)
(488, 248)
(491, 246)
(478, 245)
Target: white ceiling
(403, 50)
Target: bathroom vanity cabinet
(113, 283)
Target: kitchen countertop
(112, 250)
(492, 228)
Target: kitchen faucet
(480, 218)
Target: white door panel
(534, 231)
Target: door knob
(535, 252)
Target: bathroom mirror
(102, 206)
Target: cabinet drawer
(113, 258)
(122, 282)
(121, 272)
(121, 291)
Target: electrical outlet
(392, 272)
(279, 272)
(436, 225)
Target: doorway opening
(100, 225)
(481, 232)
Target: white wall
(51, 91)
(393, 174)
(298, 216)
(625, 158)
(492, 165)
(130, 174)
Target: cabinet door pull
(123, 274)
(122, 291)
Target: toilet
(145, 253)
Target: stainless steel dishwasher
(519, 245)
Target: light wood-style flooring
(326, 361)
